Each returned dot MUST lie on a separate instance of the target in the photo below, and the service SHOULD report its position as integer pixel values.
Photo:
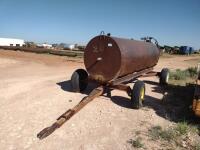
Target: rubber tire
(79, 80)
(137, 102)
(164, 76)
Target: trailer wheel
(138, 94)
(79, 80)
(164, 76)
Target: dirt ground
(35, 91)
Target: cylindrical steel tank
(107, 58)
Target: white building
(44, 45)
(11, 42)
(69, 46)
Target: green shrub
(168, 134)
(178, 75)
(175, 135)
(196, 147)
(192, 71)
(137, 132)
(156, 133)
(183, 74)
(136, 143)
(182, 128)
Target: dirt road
(34, 91)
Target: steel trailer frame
(119, 83)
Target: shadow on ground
(122, 101)
(175, 105)
(66, 86)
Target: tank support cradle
(69, 113)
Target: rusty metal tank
(107, 58)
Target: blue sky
(173, 22)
